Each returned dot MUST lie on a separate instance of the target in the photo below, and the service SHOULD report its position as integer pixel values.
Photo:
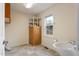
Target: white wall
(17, 31)
(1, 28)
(64, 27)
(77, 27)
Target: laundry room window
(49, 21)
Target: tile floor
(31, 51)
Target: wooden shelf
(35, 21)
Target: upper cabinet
(34, 21)
(7, 13)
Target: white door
(1, 29)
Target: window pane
(49, 24)
(49, 20)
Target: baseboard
(19, 45)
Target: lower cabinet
(34, 35)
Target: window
(49, 25)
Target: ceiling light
(28, 5)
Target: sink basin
(65, 49)
(63, 45)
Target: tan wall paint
(17, 31)
(64, 27)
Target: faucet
(55, 40)
(5, 43)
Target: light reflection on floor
(31, 51)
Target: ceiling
(36, 8)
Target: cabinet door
(7, 12)
(37, 39)
(31, 35)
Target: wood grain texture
(7, 13)
(34, 35)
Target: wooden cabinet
(34, 33)
(7, 13)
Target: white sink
(65, 49)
